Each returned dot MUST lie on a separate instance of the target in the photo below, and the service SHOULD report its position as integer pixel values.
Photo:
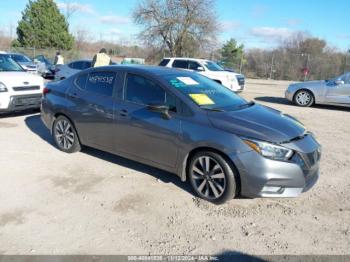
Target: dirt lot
(96, 203)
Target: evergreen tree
(43, 26)
(232, 54)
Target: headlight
(269, 150)
(3, 88)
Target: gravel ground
(97, 203)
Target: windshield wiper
(249, 104)
(211, 109)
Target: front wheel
(212, 177)
(65, 135)
(304, 98)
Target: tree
(232, 54)
(313, 46)
(180, 26)
(43, 26)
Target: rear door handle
(74, 95)
(123, 112)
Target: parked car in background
(18, 89)
(25, 62)
(45, 67)
(184, 123)
(210, 69)
(67, 70)
(335, 91)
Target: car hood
(222, 73)
(11, 79)
(258, 122)
(310, 84)
(28, 64)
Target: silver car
(328, 92)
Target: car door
(339, 93)
(92, 107)
(142, 133)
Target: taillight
(46, 91)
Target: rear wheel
(65, 135)
(304, 98)
(212, 177)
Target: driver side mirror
(200, 68)
(339, 82)
(162, 109)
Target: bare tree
(182, 26)
(70, 9)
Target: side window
(194, 65)
(170, 101)
(80, 81)
(143, 91)
(87, 64)
(180, 64)
(80, 65)
(72, 65)
(164, 62)
(101, 83)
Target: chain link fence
(257, 64)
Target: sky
(255, 23)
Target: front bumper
(262, 177)
(289, 95)
(21, 102)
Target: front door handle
(123, 113)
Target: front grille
(241, 80)
(311, 158)
(25, 88)
(26, 101)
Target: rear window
(101, 83)
(164, 62)
(180, 64)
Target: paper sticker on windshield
(176, 83)
(188, 81)
(202, 99)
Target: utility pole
(241, 64)
(307, 64)
(346, 60)
(272, 60)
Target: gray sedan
(187, 124)
(329, 92)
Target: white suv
(18, 89)
(209, 69)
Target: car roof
(17, 54)
(188, 58)
(80, 60)
(146, 69)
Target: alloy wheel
(208, 177)
(303, 98)
(64, 134)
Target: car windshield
(211, 66)
(7, 64)
(206, 93)
(21, 58)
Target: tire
(212, 177)
(304, 98)
(65, 135)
